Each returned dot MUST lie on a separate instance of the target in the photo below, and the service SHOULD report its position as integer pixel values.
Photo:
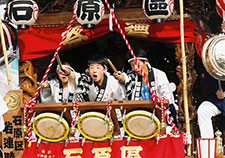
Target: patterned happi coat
(110, 89)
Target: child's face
(142, 65)
(63, 78)
(96, 72)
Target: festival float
(37, 36)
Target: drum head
(139, 124)
(92, 125)
(48, 127)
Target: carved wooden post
(13, 136)
(191, 77)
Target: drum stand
(38, 142)
(93, 108)
(61, 116)
(83, 141)
(111, 140)
(123, 118)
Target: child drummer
(57, 91)
(96, 81)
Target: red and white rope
(108, 107)
(30, 103)
(75, 112)
(162, 109)
(155, 98)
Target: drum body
(48, 127)
(213, 56)
(94, 126)
(139, 124)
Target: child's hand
(44, 85)
(120, 77)
(63, 70)
(219, 94)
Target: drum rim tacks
(145, 113)
(94, 114)
(54, 116)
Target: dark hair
(138, 53)
(97, 58)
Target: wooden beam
(65, 17)
(132, 14)
(96, 106)
(129, 104)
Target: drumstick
(112, 66)
(219, 84)
(59, 61)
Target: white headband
(140, 58)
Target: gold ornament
(24, 128)
(72, 130)
(219, 144)
(12, 101)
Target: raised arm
(67, 71)
(119, 76)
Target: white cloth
(3, 110)
(4, 80)
(113, 90)
(51, 94)
(3, 107)
(205, 112)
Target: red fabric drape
(40, 41)
(168, 147)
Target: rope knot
(109, 102)
(155, 98)
(161, 101)
(29, 104)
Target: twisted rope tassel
(108, 107)
(31, 102)
(155, 98)
(75, 112)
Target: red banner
(167, 147)
(40, 41)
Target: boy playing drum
(97, 82)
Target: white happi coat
(52, 94)
(84, 84)
(161, 87)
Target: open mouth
(95, 76)
(64, 77)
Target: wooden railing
(98, 106)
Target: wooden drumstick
(112, 66)
(219, 84)
(59, 61)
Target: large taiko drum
(50, 127)
(95, 126)
(213, 56)
(141, 124)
